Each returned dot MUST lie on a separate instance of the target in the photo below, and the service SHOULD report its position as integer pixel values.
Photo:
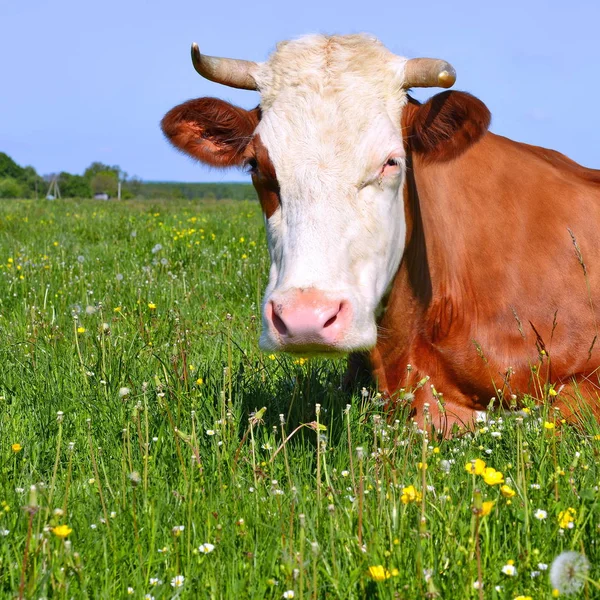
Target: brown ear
(211, 130)
(445, 126)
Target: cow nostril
(333, 319)
(330, 321)
(280, 326)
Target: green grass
(140, 323)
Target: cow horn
(428, 72)
(228, 71)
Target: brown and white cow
(409, 230)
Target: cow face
(327, 156)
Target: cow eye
(252, 165)
(391, 166)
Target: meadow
(149, 449)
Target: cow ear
(211, 130)
(446, 125)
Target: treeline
(154, 190)
(98, 178)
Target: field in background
(131, 398)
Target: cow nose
(308, 317)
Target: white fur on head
(331, 118)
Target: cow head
(327, 153)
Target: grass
(146, 442)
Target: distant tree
(74, 186)
(97, 167)
(9, 168)
(11, 188)
(132, 188)
(104, 182)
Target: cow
(463, 265)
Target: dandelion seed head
(568, 572)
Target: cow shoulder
(211, 130)
(445, 126)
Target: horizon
(98, 85)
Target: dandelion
(566, 518)
(151, 306)
(379, 573)
(157, 248)
(410, 494)
(540, 514)
(16, 448)
(177, 581)
(509, 568)
(568, 572)
(492, 477)
(124, 392)
(61, 531)
(206, 548)
(475, 467)
(507, 491)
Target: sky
(89, 81)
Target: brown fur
(264, 177)
(489, 265)
(211, 130)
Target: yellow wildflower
(199, 381)
(379, 573)
(81, 330)
(492, 477)
(523, 598)
(475, 467)
(552, 392)
(61, 531)
(566, 518)
(507, 491)
(486, 508)
(410, 494)
(151, 306)
(16, 448)
(548, 425)
(117, 309)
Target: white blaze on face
(331, 122)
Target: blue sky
(85, 81)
